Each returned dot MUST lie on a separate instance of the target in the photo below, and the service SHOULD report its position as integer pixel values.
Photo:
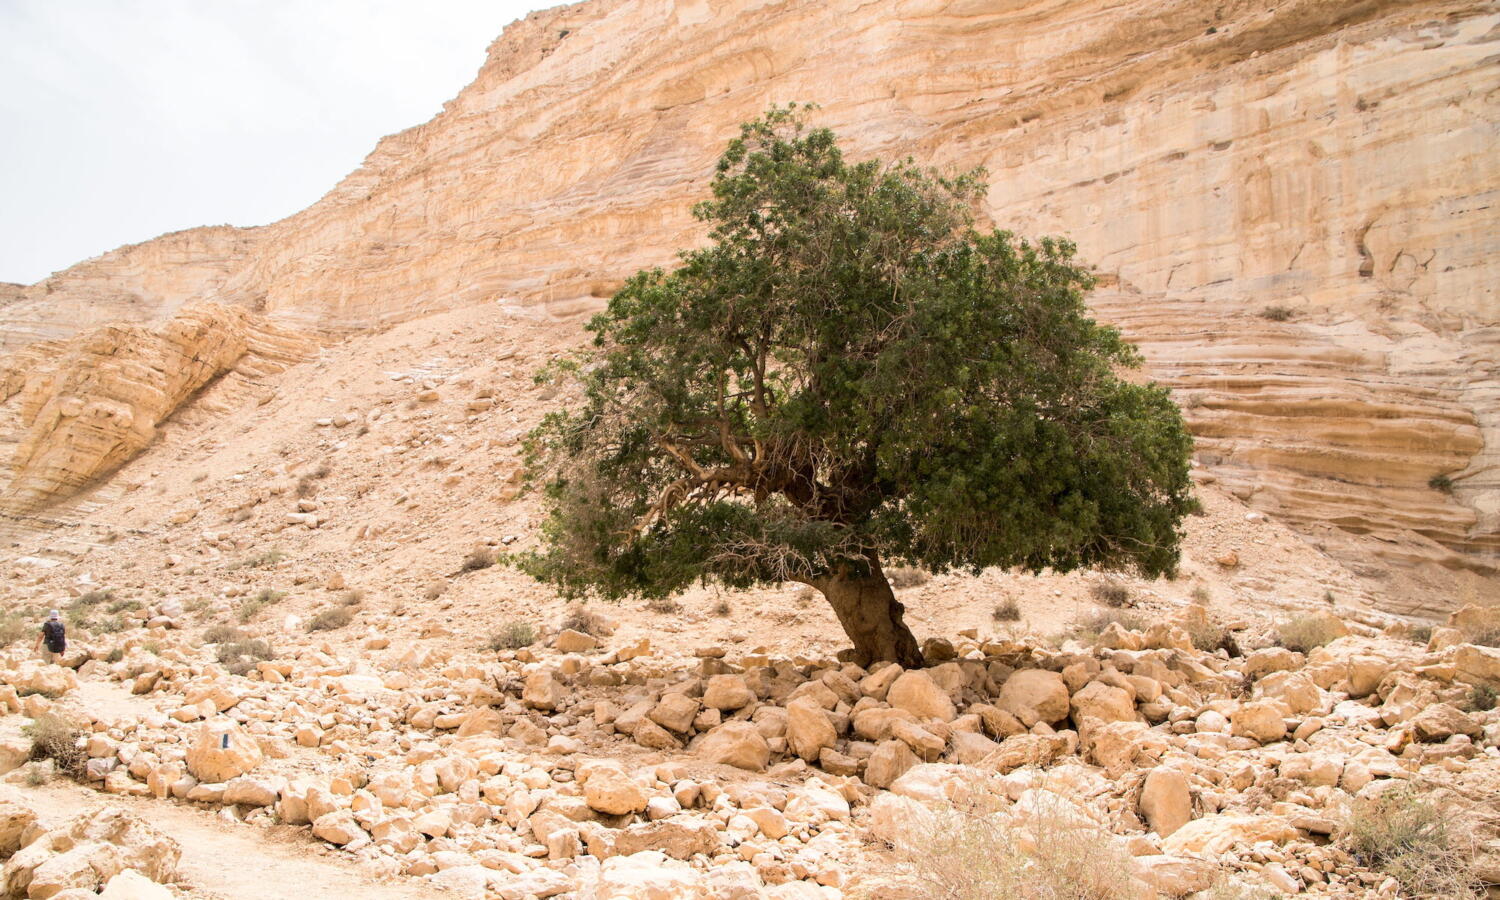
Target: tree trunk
(871, 616)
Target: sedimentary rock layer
(1293, 208)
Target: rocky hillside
(1290, 208)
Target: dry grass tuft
(478, 558)
(1112, 593)
(513, 636)
(972, 852)
(1305, 634)
(664, 606)
(334, 617)
(239, 657)
(581, 618)
(1415, 840)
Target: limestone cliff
(1293, 208)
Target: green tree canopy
(850, 375)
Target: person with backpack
(54, 637)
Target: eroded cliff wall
(1211, 160)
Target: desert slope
(1211, 161)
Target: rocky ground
(605, 768)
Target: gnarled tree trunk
(871, 616)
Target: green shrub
(1277, 313)
(1441, 483)
(59, 740)
(264, 559)
(1208, 636)
(239, 657)
(111, 625)
(1481, 698)
(115, 655)
(94, 597)
(665, 606)
(250, 609)
(513, 636)
(1415, 840)
(330, 619)
(120, 606)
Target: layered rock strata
(1293, 209)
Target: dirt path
(229, 862)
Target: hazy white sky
(124, 119)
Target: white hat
(55, 615)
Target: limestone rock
(609, 790)
(916, 692)
(1034, 695)
(808, 730)
(1166, 800)
(738, 744)
(221, 750)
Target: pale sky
(124, 119)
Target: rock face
(1299, 240)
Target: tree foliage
(850, 373)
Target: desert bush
(1481, 698)
(1415, 840)
(435, 590)
(239, 657)
(111, 625)
(1007, 610)
(1088, 628)
(222, 634)
(581, 618)
(59, 740)
(478, 558)
(250, 608)
(1486, 638)
(721, 608)
(264, 559)
(323, 470)
(1441, 483)
(306, 487)
(513, 636)
(1201, 594)
(115, 655)
(12, 628)
(665, 606)
(1420, 634)
(94, 597)
(330, 619)
(972, 853)
(1304, 633)
(1277, 313)
(906, 577)
(1208, 636)
(120, 606)
(352, 597)
(1112, 593)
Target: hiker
(54, 637)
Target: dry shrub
(973, 853)
(1305, 634)
(1415, 840)
(581, 618)
(330, 619)
(12, 628)
(1201, 594)
(306, 487)
(1481, 698)
(1208, 636)
(903, 577)
(478, 558)
(1487, 638)
(513, 636)
(59, 740)
(1007, 610)
(721, 608)
(240, 657)
(1112, 593)
(352, 597)
(1420, 634)
(435, 590)
(666, 606)
(1277, 313)
(1088, 628)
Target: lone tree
(850, 375)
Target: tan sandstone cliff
(1210, 160)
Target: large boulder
(15, 819)
(916, 692)
(1034, 695)
(1104, 702)
(739, 744)
(649, 875)
(1166, 800)
(1260, 720)
(1216, 834)
(727, 693)
(608, 789)
(132, 885)
(221, 750)
(808, 730)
